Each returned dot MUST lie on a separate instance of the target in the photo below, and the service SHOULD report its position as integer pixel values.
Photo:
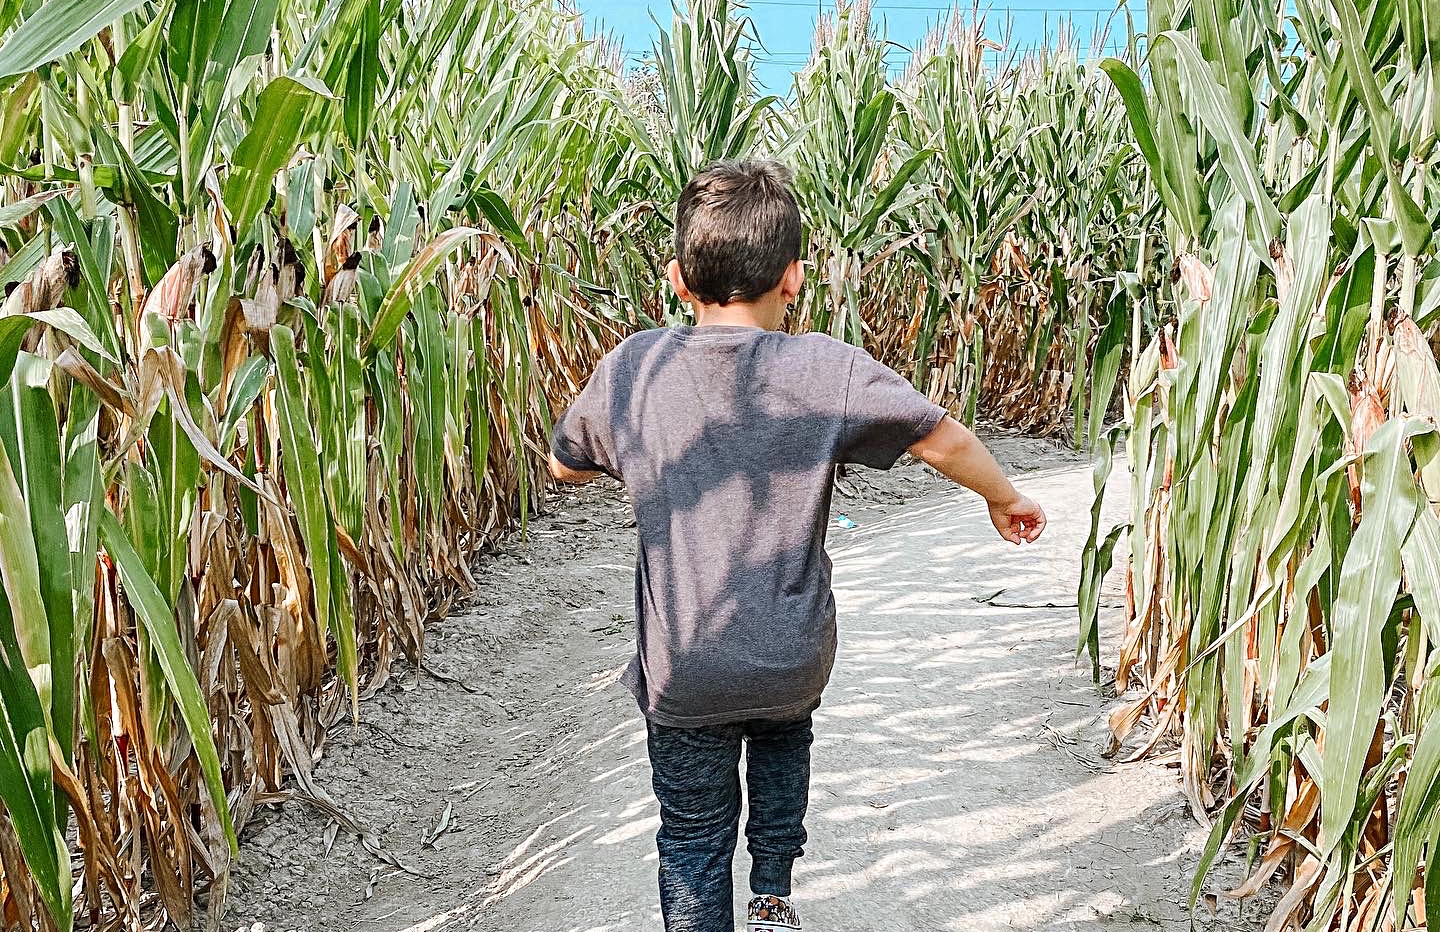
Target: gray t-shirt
(726, 439)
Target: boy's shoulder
(815, 341)
(629, 351)
(811, 341)
(811, 345)
(821, 349)
(641, 339)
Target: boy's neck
(739, 314)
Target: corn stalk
(1281, 580)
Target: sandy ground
(958, 783)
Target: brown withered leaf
(147, 390)
(341, 285)
(166, 867)
(172, 370)
(74, 365)
(219, 216)
(1297, 900)
(1418, 381)
(20, 907)
(261, 311)
(234, 343)
(1301, 813)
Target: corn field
(293, 289)
(1283, 574)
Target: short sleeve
(884, 414)
(583, 438)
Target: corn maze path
(958, 779)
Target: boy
(726, 435)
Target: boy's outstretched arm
(957, 453)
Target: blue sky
(786, 26)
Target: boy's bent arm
(953, 450)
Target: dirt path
(957, 777)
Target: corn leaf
(26, 783)
(57, 28)
(280, 117)
(159, 623)
(1369, 581)
(304, 485)
(417, 273)
(1237, 152)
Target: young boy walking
(726, 435)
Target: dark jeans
(697, 781)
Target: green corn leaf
(158, 225)
(1419, 805)
(209, 42)
(1108, 353)
(418, 273)
(1237, 152)
(280, 118)
(57, 28)
(30, 430)
(93, 248)
(20, 574)
(444, 194)
(304, 485)
(26, 783)
(1420, 556)
(362, 79)
(159, 622)
(126, 80)
(498, 213)
(1132, 92)
(17, 113)
(83, 498)
(399, 242)
(1096, 557)
(1415, 227)
(1369, 581)
(209, 39)
(886, 199)
(248, 383)
(1218, 833)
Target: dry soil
(958, 778)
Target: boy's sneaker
(772, 914)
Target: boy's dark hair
(737, 229)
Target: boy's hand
(1019, 521)
(957, 453)
(565, 474)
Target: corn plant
(294, 289)
(853, 178)
(278, 352)
(1281, 580)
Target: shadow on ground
(957, 778)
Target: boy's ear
(672, 272)
(792, 280)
